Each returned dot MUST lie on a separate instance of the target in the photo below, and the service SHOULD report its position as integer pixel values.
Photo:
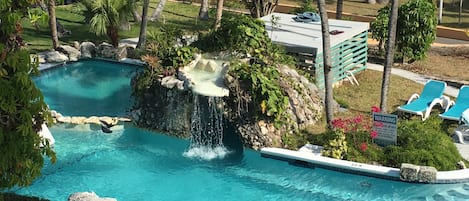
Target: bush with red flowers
(418, 142)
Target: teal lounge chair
(422, 104)
(457, 108)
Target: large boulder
(88, 196)
(73, 53)
(88, 50)
(427, 174)
(55, 57)
(106, 50)
(409, 172)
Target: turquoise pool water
(134, 164)
(89, 87)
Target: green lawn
(179, 15)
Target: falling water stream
(207, 129)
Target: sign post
(386, 126)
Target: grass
(179, 15)
(361, 98)
(446, 63)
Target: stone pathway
(421, 79)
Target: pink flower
(373, 134)
(375, 109)
(363, 146)
(338, 123)
(358, 119)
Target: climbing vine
(22, 106)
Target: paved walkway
(451, 91)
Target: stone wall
(165, 108)
(85, 50)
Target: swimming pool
(135, 164)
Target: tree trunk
(203, 12)
(392, 24)
(219, 14)
(53, 24)
(260, 8)
(136, 16)
(340, 5)
(113, 33)
(143, 26)
(326, 53)
(159, 9)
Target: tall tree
(219, 14)
(157, 12)
(339, 8)
(203, 12)
(105, 16)
(142, 38)
(390, 44)
(53, 23)
(326, 53)
(260, 8)
(22, 106)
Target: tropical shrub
(416, 28)
(423, 143)
(22, 106)
(305, 6)
(420, 143)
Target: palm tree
(338, 13)
(107, 16)
(53, 24)
(159, 9)
(219, 14)
(326, 53)
(203, 12)
(392, 24)
(143, 26)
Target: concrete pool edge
(134, 62)
(312, 160)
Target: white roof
(307, 37)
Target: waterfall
(206, 129)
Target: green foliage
(416, 28)
(105, 16)
(22, 106)
(306, 6)
(265, 89)
(337, 146)
(423, 143)
(379, 27)
(419, 143)
(15, 197)
(246, 36)
(163, 56)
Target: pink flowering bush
(359, 137)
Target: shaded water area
(89, 87)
